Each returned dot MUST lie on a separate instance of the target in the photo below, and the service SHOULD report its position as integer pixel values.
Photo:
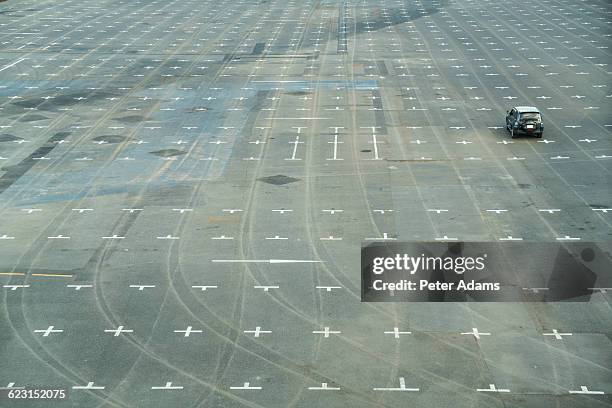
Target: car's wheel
(539, 135)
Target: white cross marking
(246, 386)
(15, 287)
(188, 331)
(492, 388)
(168, 386)
(324, 386)
(46, 332)
(257, 331)
(78, 287)
(445, 238)
(266, 288)
(326, 332)
(510, 238)
(558, 336)
(118, 331)
(142, 287)
(204, 287)
(567, 238)
(585, 390)
(396, 333)
(477, 334)
(90, 386)
(384, 237)
(328, 288)
(402, 387)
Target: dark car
(525, 120)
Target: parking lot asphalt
(185, 187)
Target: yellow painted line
(52, 274)
(12, 273)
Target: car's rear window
(530, 115)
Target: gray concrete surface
(141, 141)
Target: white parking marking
(402, 387)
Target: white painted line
(324, 387)
(257, 331)
(204, 287)
(396, 332)
(556, 334)
(335, 143)
(142, 287)
(492, 388)
(78, 287)
(601, 290)
(375, 147)
(446, 238)
(266, 288)
(11, 386)
(90, 386)
(402, 387)
(326, 332)
(295, 146)
(46, 332)
(384, 237)
(585, 390)
(187, 332)
(246, 386)
(567, 238)
(15, 287)
(510, 238)
(116, 332)
(331, 238)
(13, 64)
(476, 333)
(82, 210)
(328, 288)
(168, 386)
